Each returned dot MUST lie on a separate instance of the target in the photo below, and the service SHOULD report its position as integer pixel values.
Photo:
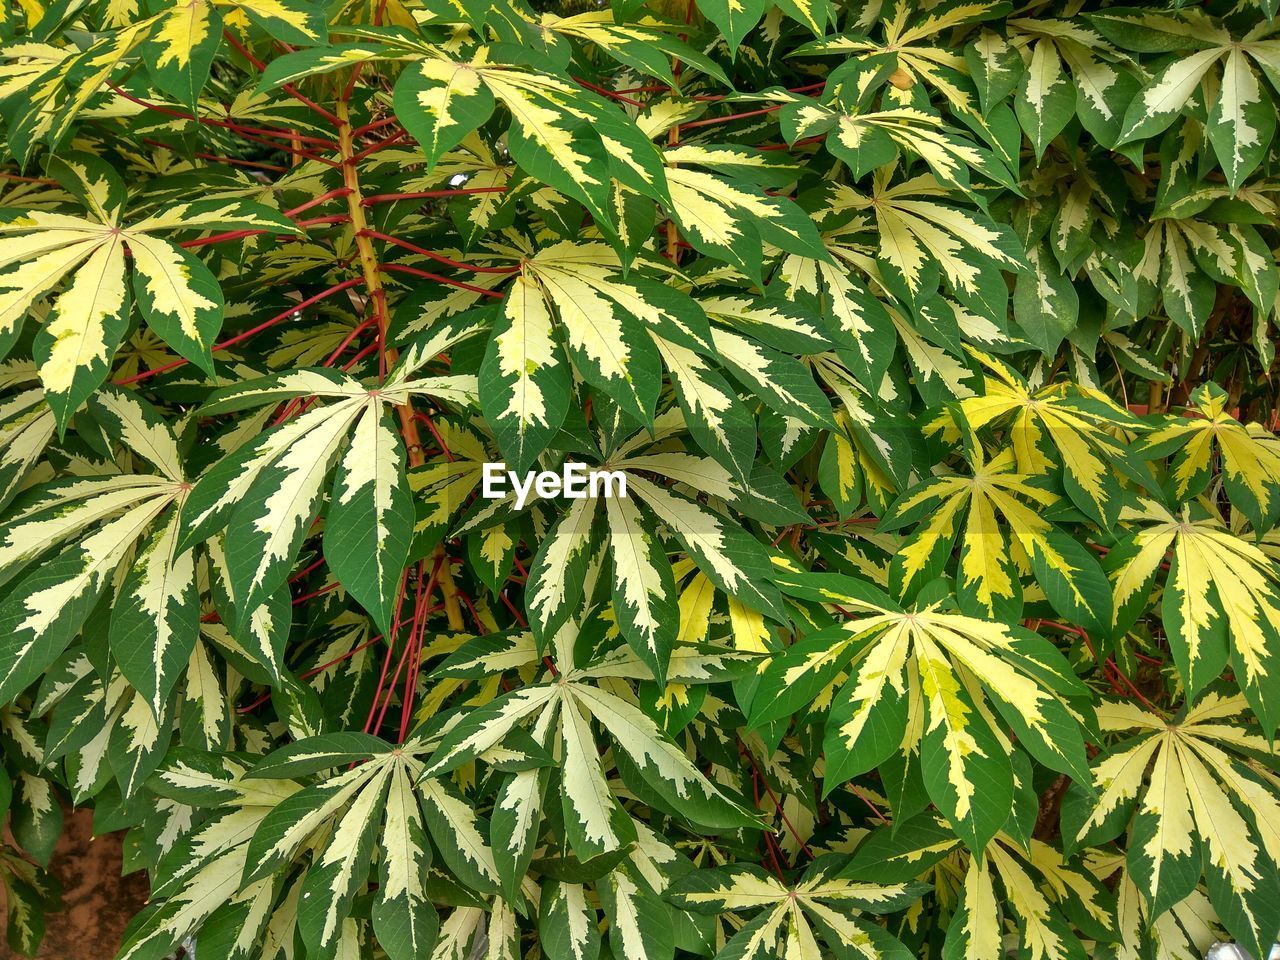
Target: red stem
(316, 593)
(292, 148)
(408, 649)
(391, 645)
(361, 355)
(1133, 687)
(414, 271)
(777, 804)
(608, 93)
(411, 679)
(803, 141)
(240, 337)
(41, 180)
(660, 88)
(867, 800)
(716, 97)
(376, 125)
(427, 194)
(306, 570)
(219, 238)
(515, 612)
(288, 87)
(439, 257)
(733, 116)
(332, 194)
(431, 425)
(225, 124)
(313, 671)
(355, 332)
(389, 141)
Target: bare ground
(98, 902)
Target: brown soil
(97, 901)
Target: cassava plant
(933, 343)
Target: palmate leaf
(203, 870)
(921, 234)
(647, 46)
(612, 329)
(989, 580)
(267, 493)
(732, 220)
(561, 708)
(55, 94)
(882, 408)
(176, 294)
(933, 675)
(910, 37)
(1181, 259)
(717, 420)
(335, 878)
(644, 592)
(47, 607)
(821, 903)
(1250, 469)
(1073, 426)
(560, 134)
(873, 443)
(379, 791)
(1241, 115)
(1029, 885)
(733, 560)
(1202, 808)
(1220, 602)
(1181, 931)
(872, 139)
(601, 317)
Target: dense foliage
(934, 341)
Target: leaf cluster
(934, 341)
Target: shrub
(934, 345)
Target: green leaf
(1242, 120)
(567, 923)
(75, 346)
(339, 873)
(644, 591)
(440, 103)
(1045, 102)
(180, 51)
(313, 754)
(371, 514)
(525, 383)
(154, 622)
(403, 917)
(42, 614)
(179, 297)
